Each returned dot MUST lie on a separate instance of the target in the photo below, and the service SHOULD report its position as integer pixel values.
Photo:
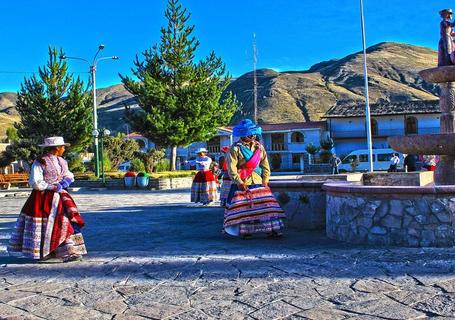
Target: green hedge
(154, 175)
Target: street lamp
(95, 115)
(103, 133)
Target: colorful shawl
(252, 162)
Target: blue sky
(291, 34)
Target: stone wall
(157, 184)
(170, 183)
(303, 202)
(402, 216)
(418, 178)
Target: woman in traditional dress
(250, 207)
(204, 185)
(49, 224)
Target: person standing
(334, 163)
(226, 180)
(49, 224)
(394, 161)
(429, 162)
(204, 185)
(410, 163)
(251, 207)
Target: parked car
(381, 160)
(124, 166)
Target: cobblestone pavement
(155, 256)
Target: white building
(346, 123)
(285, 143)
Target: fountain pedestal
(436, 144)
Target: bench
(16, 179)
(3, 183)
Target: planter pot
(142, 182)
(129, 182)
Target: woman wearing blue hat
(250, 207)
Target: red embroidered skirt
(45, 223)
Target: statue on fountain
(446, 48)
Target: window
(349, 159)
(374, 127)
(363, 158)
(296, 158)
(384, 157)
(410, 125)
(297, 137)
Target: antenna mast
(255, 82)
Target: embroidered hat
(445, 11)
(200, 150)
(54, 142)
(246, 128)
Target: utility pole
(367, 101)
(255, 82)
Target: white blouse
(38, 180)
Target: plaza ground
(154, 255)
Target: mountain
(305, 96)
(299, 95)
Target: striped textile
(204, 187)
(225, 188)
(47, 220)
(254, 211)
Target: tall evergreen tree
(53, 104)
(182, 100)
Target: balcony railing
(380, 133)
(213, 149)
(276, 147)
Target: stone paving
(153, 255)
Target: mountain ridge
(306, 95)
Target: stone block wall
(303, 202)
(419, 220)
(170, 183)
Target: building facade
(347, 125)
(285, 144)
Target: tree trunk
(173, 158)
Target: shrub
(137, 165)
(106, 162)
(162, 165)
(76, 165)
(311, 149)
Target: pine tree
(181, 100)
(53, 104)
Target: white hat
(54, 142)
(201, 150)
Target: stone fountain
(406, 215)
(442, 144)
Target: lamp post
(93, 65)
(103, 133)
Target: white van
(381, 160)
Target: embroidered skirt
(204, 187)
(48, 223)
(252, 211)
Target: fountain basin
(441, 143)
(439, 74)
(410, 216)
